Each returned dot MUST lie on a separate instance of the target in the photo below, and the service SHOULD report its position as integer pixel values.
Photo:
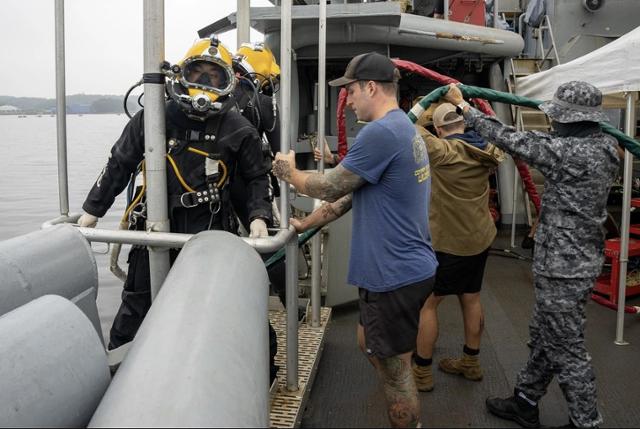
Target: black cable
(259, 76)
(254, 98)
(126, 97)
(507, 253)
(139, 100)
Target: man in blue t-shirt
(385, 177)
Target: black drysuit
(258, 109)
(238, 145)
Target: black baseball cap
(369, 66)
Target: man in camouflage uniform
(579, 163)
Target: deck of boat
(346, 392)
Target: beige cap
(446, 114)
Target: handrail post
(243, 26)
(316, 241)
(154, 138)
(291, 249)
(61, 110)
(553, 40)
(514, 206)
(630, 128)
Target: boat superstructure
(169, 374)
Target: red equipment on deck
(467, 11)
(606, 289)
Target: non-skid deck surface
(286, 406)
(346, 392)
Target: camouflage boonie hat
(575, 101)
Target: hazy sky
(103, 42)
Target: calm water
(29, 182)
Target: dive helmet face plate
(256, 62)
(206, 73)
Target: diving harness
(216, 179)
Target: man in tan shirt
(462, 232)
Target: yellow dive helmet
(256, 62)
(205, 75)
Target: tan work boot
(468, 366)
(423, 377)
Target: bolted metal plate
(286, 406)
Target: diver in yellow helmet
(209, 146)
(256, 73)
(201, 82)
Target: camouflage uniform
(569, 242)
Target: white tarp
(613, 68)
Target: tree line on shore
(79, 103)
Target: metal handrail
(541, 42)
(316, 241)
(166, 239)
(515, 109)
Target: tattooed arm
(329, 187)
(328, 212)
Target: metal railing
(630, 129)
(540, 45)
(316, 241)
(166, 239)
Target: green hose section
(279, 255)
(627, 142)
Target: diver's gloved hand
(258, 229)
(87, 221)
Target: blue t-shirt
(390, 242)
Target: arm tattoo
(343, 205)
(327, 211)
(332, 211)
(400, 391)
(333, 185)
(281, 169)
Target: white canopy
(614, 68)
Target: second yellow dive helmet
(256, 62)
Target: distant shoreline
(78, 104)
(54, 114)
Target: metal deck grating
(286, 406)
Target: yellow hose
(198, 151)
(224, 166)
(137, 199)
(178, 175)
